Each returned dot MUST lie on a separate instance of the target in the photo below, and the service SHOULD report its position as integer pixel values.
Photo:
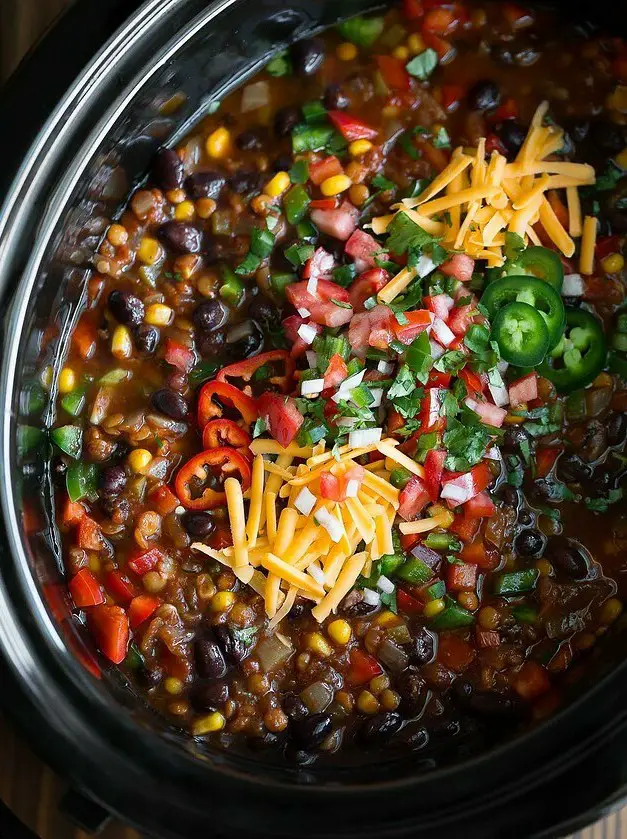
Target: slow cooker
(81, 120)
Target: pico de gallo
(341, 431)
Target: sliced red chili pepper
(352, 128)
(85, 589)
(393, 71)
(324, 204)
(141, 608)
(222, 463)
(250, 369)
(223, 432)
(109, 625)
(229, 397)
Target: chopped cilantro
(382, 184)
(299, 173)
(344, 275)
(408, 406)
(477, 338)
(451, 362)
(341, 303)
(422, 65)
(280, 65)
(405, 234)
(418, 357)
(465, 443)
(260, 427)
(441, 140)
(403, 384)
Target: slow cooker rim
(8, 375)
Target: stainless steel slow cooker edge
(80, 715)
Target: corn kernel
(621, 159)
(319, 645)
(489, 618)
(434, 607)
(117, 235)
(138, 459)
(95, 566)
(613, 263)
(277, 186)
(121, 343)
(367, 703)
(209, 724)
(447, 517)
(67, 380)
(339, 631)
(610, 610)
(415, 43)
(387, 618)
(468, 600)
(46, 377)
(205, 207)
(358, 194)
(379, 684)
(149, 251)
(222, 601)
(359, 147)
(158, 314)
(175, 196)
(346, 51)
(218, 142)
(335, 184)
(544, 567)
(390, 700)
(401, 52)
(173, 686)
(185, 211)
(517, 418)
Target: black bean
(244, 181)
(526, 56)
(210, 315)
(204, 185)
(484, 96)
(180, 237)
(210, 344)
(567, 557)
(514, 436)
(604, 479)
(209, 696)
(167, 170)
(285, 120)
(146, 338)
(299, 756)
(250, 345)
(266, 741)
(512, 134)
(509, 495)
(544, 490)
(595, 440)
(616, 429)
(334, 98)
(282, 163)
(126, 308)
(294, 707)
(570, 467)
(112, 480)
(492, 705)
(310, 731)
(525, 517)
(608, 136)
(299, 610)
(149, 677)
(251, 140)
(210, 663)
(170, 403)
(462, 691)
(380, 728)
(421, 650)
(235, 648)
(307, 56)
(529, 543)
(413, 690)
(263, 311)
(198, 524)
(503, 55)
(579, 130)
(58, 471)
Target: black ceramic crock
(80, 121)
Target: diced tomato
(409, 541)
(494, 143)
(143, 561)
(461, 577)
(394, 421)
(439, 304)
(545, 458)
(365, 286)
(430, 418)
(85, 589)
(407, 604)
(455, 653)
(73, 512)
(338, 223)
(524, 390)
(506, 110)
(331, 487)
(336, 371)
(452, 95)
(473, 381)
(319, 265)
(363, 248)
(393, 71)
(437, 379)
(324, 203)
(320, 170)
(440, 21)
(434, 466)
(323, 305)
(462, 488)
(459, 319)
(89, 535)
(84, 339)
(477, 553)
(465, 526)
(412, 9)
(110, 627)
(532, 681)
(373, 328)
(283, 417)
(291, 326)
(487, 638)
(163, 500)
(350, 127)
(490, 414)
(413, 324)
(413, 498)
(606, 245)
(363, 667)
(445, 50)
(120, 587)
(459, 266)
(179, 356)
(141, 608)
(481, 506)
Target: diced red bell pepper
(452, 95)
(393, 71)
(363, 248)
(473, 381)
(163, 500)
(73, 512)
(140, 562)
(324, 203)
(110, 627)
(461, 577)
(120, 587)
(141, 608)
(412, 9)
(445, 50)
(477, 553)
(363, 667)
(330, 305)
(459, 266)
(336, 371)
(413, 324)
(465, 526)
(606, 245)
(481, 506)
(545, 458)
(320, 170)
(439, 380)
(532, 681)
(413, 498)
(434, 466)
(179, 356)
(494, 143)
(455, 653)
(367, 285)
(339, 222)
(430, 419)
(85, 589)
(460, 319)
(489, 414)
(283, 417)
(440, 21)
(350, 127)
(487, 638)
(506, 110)
(291, 326)
(407, 604)
(89, 535)
(518, 17)
(84, 338)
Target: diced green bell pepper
(81, 481)
(69, 438)
(74, 402)
(415, 571)
(516, 582)
(453, 617)
(295, 204)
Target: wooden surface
(28, 787)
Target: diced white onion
(377, 394)
(312, 285)
(385, 367)
(312, 358)
(311, 387)
(449, 301)
(573, 285)
(437, 350)
(345, 388)
(346, 422)
(442, 332)
(499, 394)
(352, 488)
(364, 437)
(305, 501)
(371, 597)
(316, 572)
(239, 331)
(304, 313)
(425, 265)
(502, 366)
(454, 493)
(307, 332)
(493, 453)
(256, 95)
(324, 518)
(386, 586)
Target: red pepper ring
(223, 432)
(230, 397)
(245, 370)
(228, 462)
